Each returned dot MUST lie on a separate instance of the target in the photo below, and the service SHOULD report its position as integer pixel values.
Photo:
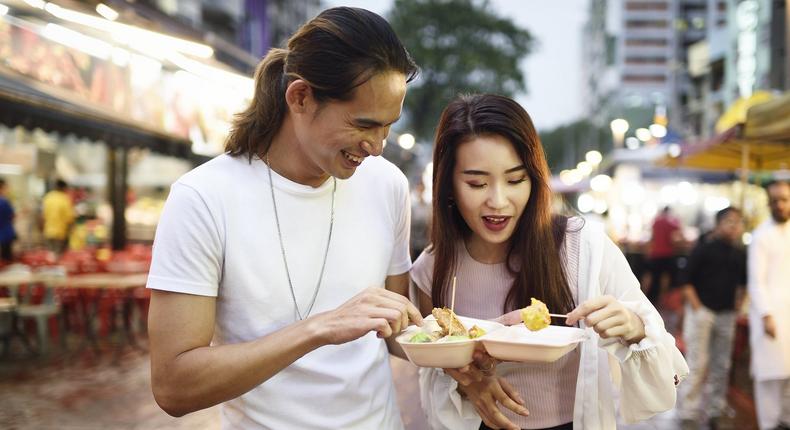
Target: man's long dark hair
(337, 51)
(533, 256)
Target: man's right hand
(769, 326)
(374, 309)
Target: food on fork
(536, 316)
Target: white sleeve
(652, 368)
(400, 261)
(187, 251)
(758, 272)
(443, 405)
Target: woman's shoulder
(421, 271)
(424, 262)
(581, 233)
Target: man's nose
(374, 147)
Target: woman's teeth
(495, 219)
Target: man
(666, 235)
(269, 260)
(7, 232)
(58, 215)
(715, 280)
(769, 318)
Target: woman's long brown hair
(337, 51)
(533, 256)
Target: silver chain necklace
(282, 246)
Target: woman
(493, 230)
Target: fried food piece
(449, 322)
(536, 316)
(476, 332)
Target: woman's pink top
(549, 389)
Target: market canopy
(737, 111)
(761, 143)
(22, 102)
(769, 121)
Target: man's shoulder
(380, 169)
(217, 174)
(764, 230)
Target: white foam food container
(517, 343)
(446, 354)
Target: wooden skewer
(559, 315)
(452, 301)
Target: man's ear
(299, 97)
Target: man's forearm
(206, 376)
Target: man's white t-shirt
(217, 237)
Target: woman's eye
(475, 185)
(518, 181)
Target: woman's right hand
(485, 395)
(480, 384)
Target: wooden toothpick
(452, 301)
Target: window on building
(644, 79)
(646, 42)
(647, 23)
(645, 61)
(611, 49)
(653, 5)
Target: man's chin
(343, 172)
(779, 219)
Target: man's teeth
(352, 158)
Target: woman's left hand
(609, 318)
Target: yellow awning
(737, 111)
(769, 120)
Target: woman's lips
(496, 223)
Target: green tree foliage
(461, 47)
(566, 145)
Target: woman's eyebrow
(484, 173)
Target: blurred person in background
(662, 264)
(420, 220)
(7, 232)
(715, 279)
(269, 295)
(57, 212)
(769, 316)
